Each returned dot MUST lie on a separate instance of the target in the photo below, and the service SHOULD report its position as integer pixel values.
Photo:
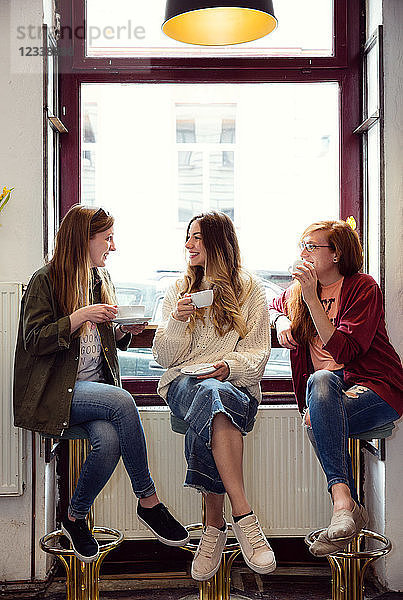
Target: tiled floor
(298, 583)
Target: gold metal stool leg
(353, 563)
(338, 583)
(218, 587)
(349, 566)
(82, 579)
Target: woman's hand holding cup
(184, 308)
(95, 313)
(98, 313)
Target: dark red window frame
(343, 67)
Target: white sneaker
(255, 548)
(207, 559)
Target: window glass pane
(127, 28)
(139, 362)
(267, 154)
(222, 182)
(190, 186)
(205, 123)
(205, 136)
(373, 200)
(372, 81)
(88, 145)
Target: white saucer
(131, 320)
(196, 370)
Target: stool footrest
(349, 566)
(104, 547)
(357, 554)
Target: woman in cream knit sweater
(219, 407)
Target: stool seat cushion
(75, 432)
(378, 433)
(178, 425)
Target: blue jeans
(197, 402)
(111, 418)
(337, 412)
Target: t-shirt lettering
(90, 361)
(330, 298)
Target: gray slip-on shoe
(345, 524)
(325, 545)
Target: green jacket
(46, 358)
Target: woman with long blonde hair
(215, 354)
(67, 373)
(347, 377)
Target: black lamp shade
(218, 23)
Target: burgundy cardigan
(360, 342)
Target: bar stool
(348, 567)
(218, 587)
(82, 579)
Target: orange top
(330, 297)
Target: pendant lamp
(219, 23)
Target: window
(269, 158)
(371, 130)
(275, 159)
(267, 139)
(126, 28)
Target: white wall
(393, 51)
(21, 146)
(384, 486)
(21, 253)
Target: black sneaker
(163, 525)
(84, 544)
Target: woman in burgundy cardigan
(347, 377)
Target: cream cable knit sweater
(174, 347)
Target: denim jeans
(196, 402)
(337, 412)
(111, 418)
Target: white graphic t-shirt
(90, 361)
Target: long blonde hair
(70, 266)
(341, 239)
(223, 272)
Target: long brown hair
(345, 242)
(70, 266)
(223, 272)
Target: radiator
(11, 437)
(283, 479)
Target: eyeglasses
(99, 212)
(311, 247)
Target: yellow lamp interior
(219, 26)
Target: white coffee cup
(203, 298)
(297, 263)
(131, 311)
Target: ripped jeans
(196, 402)
(337, 412)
